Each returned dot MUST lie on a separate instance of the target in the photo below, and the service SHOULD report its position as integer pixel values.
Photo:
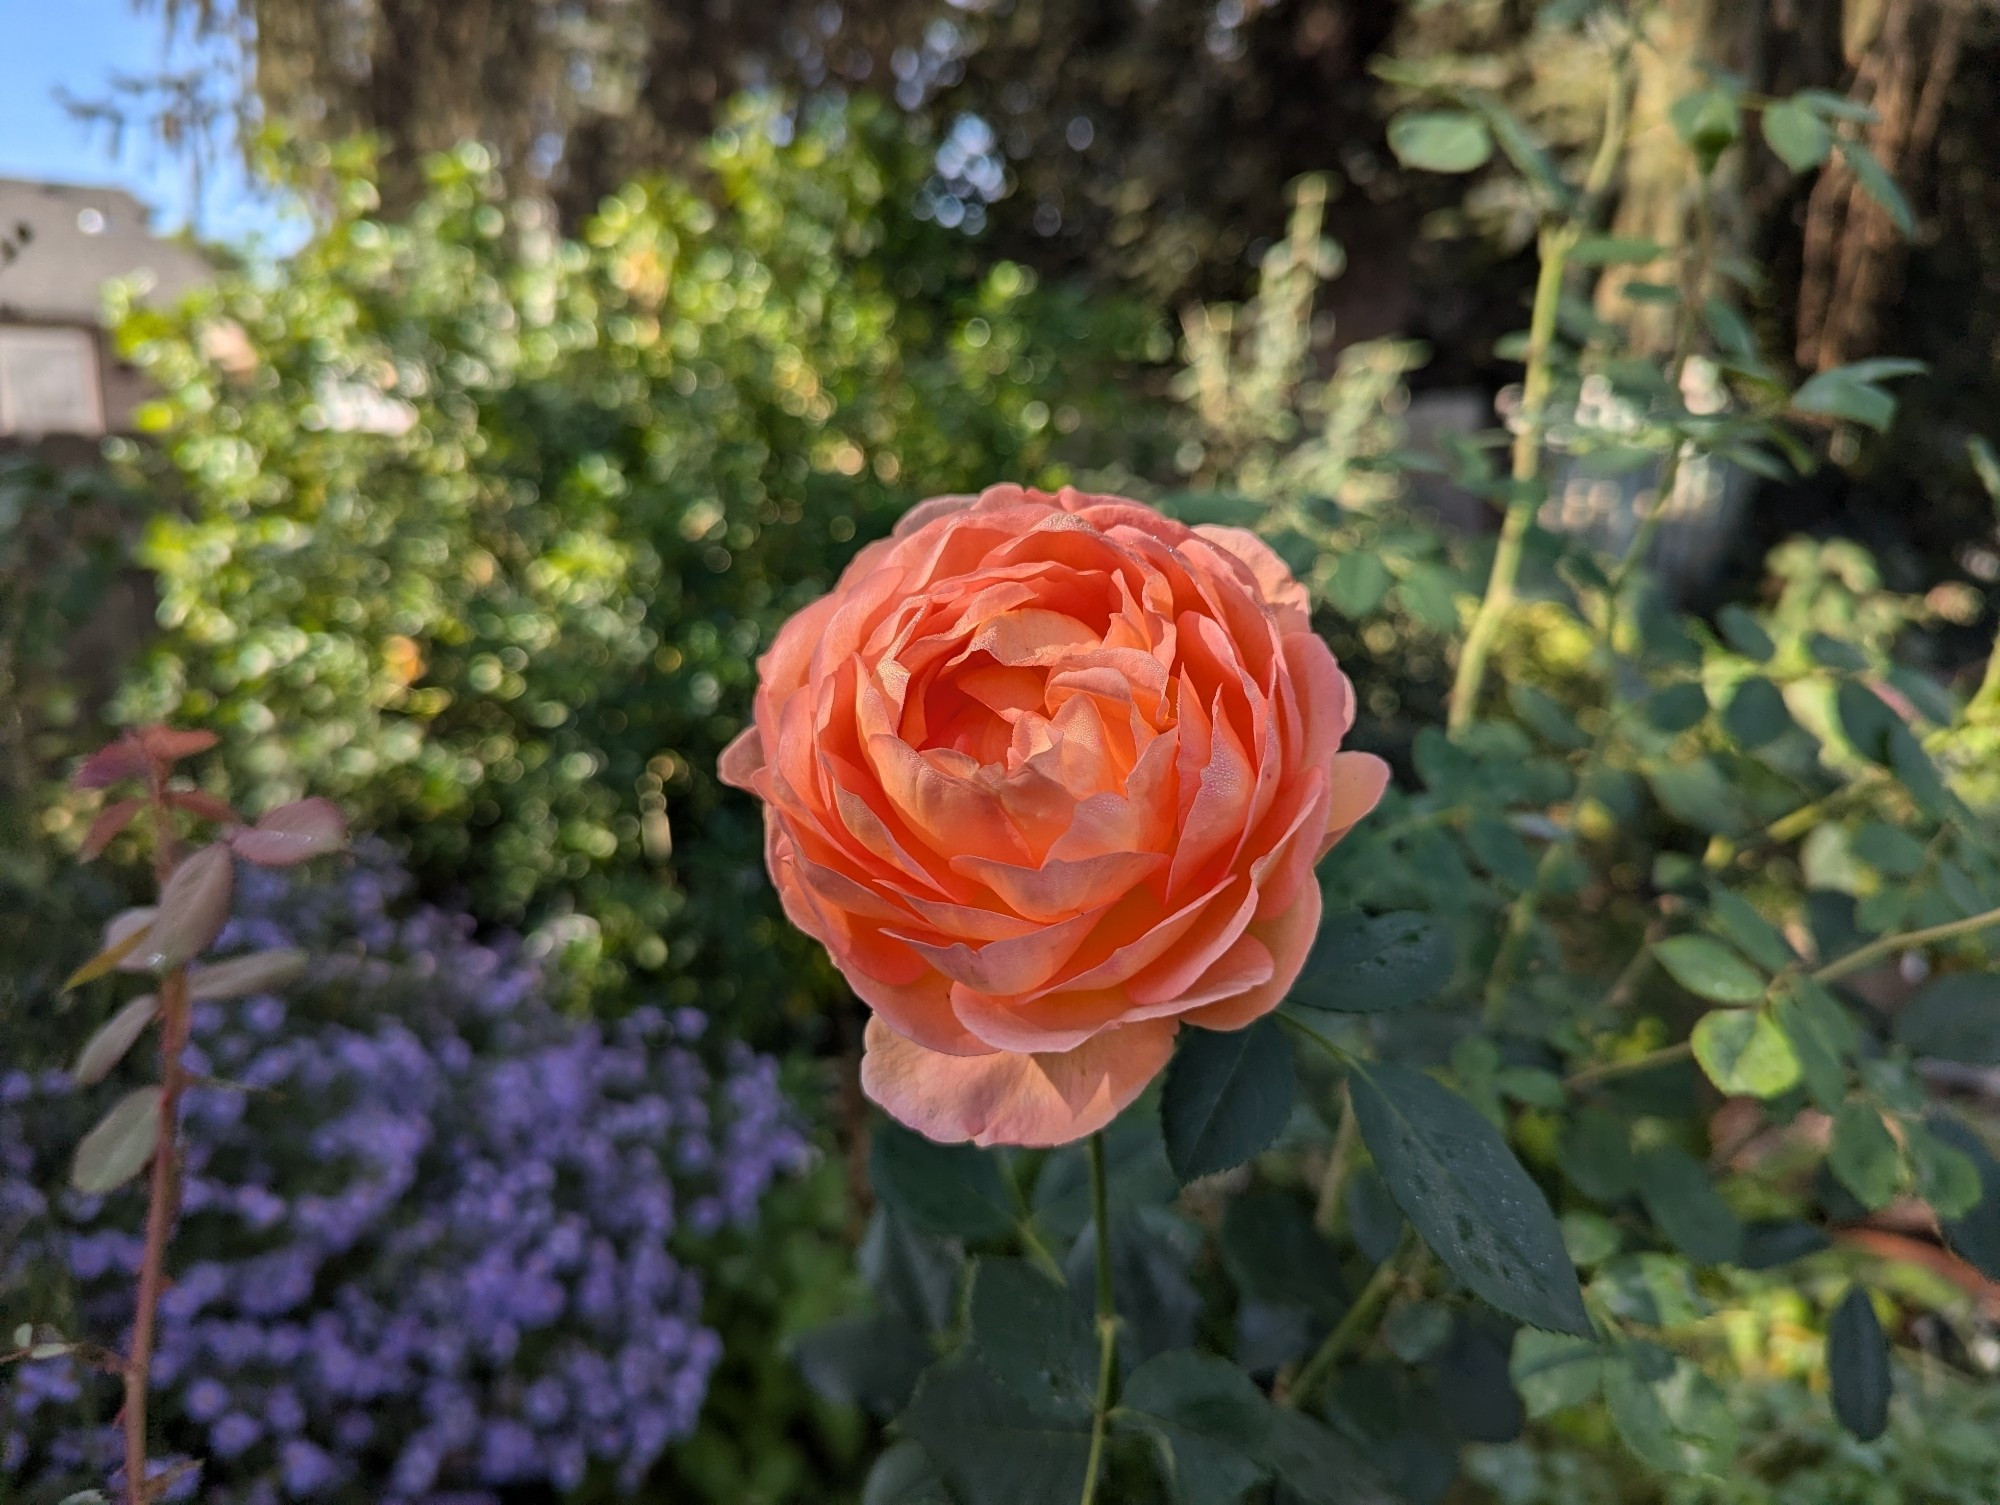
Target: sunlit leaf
(292, 834)
(1440, 140)
(1709, 969)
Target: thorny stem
(1906, 940)
(1833, 971)
(1107, 1318)
(1339, 1165)
(1353, 1322)
(1557, 241)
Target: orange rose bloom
(1047, 776)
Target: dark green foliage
(1226, 1097)
(1857, 1359)
(1362, 964)
(1459, 1184)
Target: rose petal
(1358, 781)
(1036, 1100)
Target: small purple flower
(436, 1251)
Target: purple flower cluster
(426, 1245)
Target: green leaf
(1364, 964)
(120, 1146)
(1440, 140)
(1858, 402)
(1857, 1361)
(1418, 1330)
(1890, 850)
(1640, 1419)
(1680, 1198)
(1462, 1189)
(1031, 1335)
(1798, 135)
(1947, 1178)
(1835, 106)
(1554, 1371)
(1955, 1017)
(1745, 1054)
(1597, 1155)
(1615, 250)
(1500, 851)
(1150, 1254)
(913, 1274)
(1274, 1254)
(1677, 707)
(1985, 465)
(1864, 1155)
(1737, 918)
(1522, 149)
(904, 1475)
(948, 1190)
(1318, 1466)
(1875, 181)
(1756, 714)
(992, 1447)
(1695, 792)
(1709, 121)
(1545, 718)
(1974, 1235)
(1226, 1098)
(116, 1036)
(1708, 969)
(1358, 584)
(1866, 719)
(1207, 1421)
(1821, 1065)
(869, 1361)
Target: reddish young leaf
(170, 746)
(194, 904)
(292, 833)
(121, 760)
(207, 806)
(112, 819)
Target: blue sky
(78, 45)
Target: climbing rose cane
(1047, 776)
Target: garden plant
(1284, 1000)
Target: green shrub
(480, 530)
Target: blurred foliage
(70, 615)
(481, 529)
(1660, 983)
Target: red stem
(161, 1204)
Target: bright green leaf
(1708, 969)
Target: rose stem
(1367, 1306)
(160, 1204)
(1557, 241)
(1107, 1317)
